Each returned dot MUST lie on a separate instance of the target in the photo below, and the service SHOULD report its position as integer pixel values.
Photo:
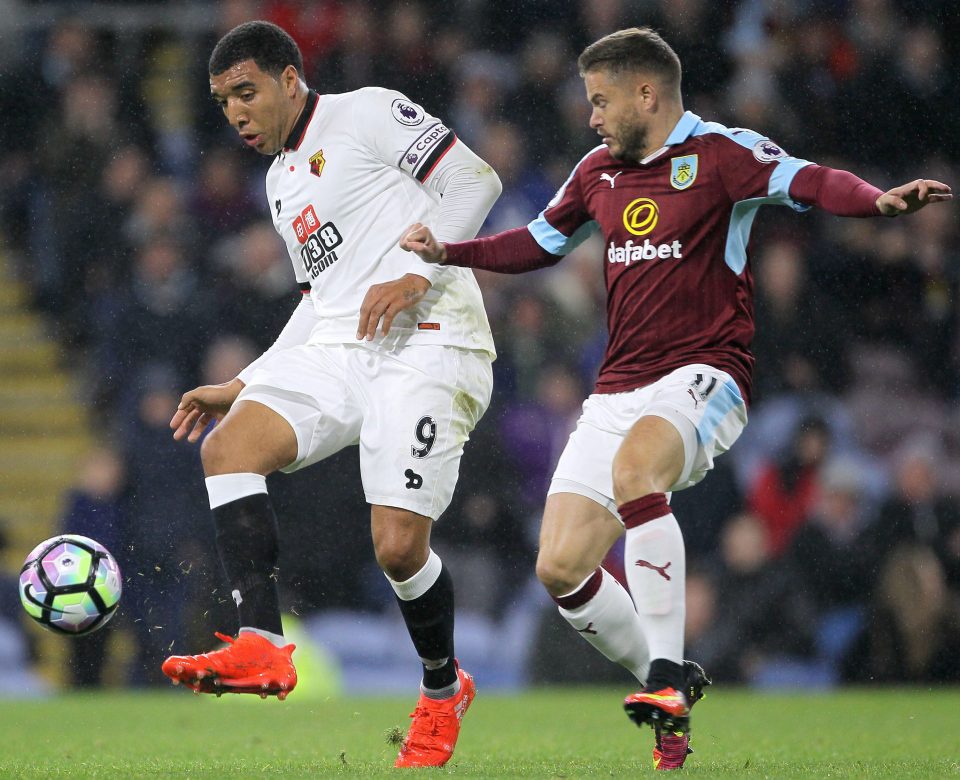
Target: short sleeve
(755, 168)
(399, 132)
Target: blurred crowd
(824, 548)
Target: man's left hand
(911, 197)
(385, 301)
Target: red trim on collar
(300, 128)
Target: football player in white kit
(384, 350)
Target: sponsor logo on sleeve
(407, 113)
(767, 151)
(683, 171)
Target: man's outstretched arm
(846, 195)
(511, 252)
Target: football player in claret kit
(384, 350)
(674, 198)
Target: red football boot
(436, 726)
(249, 664)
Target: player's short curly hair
(269, 46)
(634, 49)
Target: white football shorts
(411, 411)
(703, 403)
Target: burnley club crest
(683, 171)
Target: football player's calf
(249, 664)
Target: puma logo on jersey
(609, 178)
(277, 204)
(661, 570)
(588, 630)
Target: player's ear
(646, 93)
(289, 79)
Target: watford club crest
(316, 163)
(683, 171)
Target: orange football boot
(666, 707)
(436, 726)
(249, 664)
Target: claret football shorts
(703, 404)
(411, 410)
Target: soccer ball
(70, 584)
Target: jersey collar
(683, 129)
(300, 128)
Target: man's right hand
(420, 240)
(201, 406)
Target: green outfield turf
(558, 733)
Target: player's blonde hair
(635, 49)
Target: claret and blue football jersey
(676, 228)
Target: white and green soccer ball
(70, 584)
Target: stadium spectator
(63, 216)
(222, 201)
(798, 349)
(751, 614)
(785, 492)
(161, 312)
(915, 631)
(536, 428)
(253, 299)
(828, 553)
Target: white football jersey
(348, 183)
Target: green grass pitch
(571, 733)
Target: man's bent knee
(252, 438)
(215, 454)
(401, 561)
(561, 578)
(401, 541)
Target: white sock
(654, 559)
(608, 621)
(224, 488)
(276, 640)
(419, 583)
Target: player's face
(616, 116)
(256, 104)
